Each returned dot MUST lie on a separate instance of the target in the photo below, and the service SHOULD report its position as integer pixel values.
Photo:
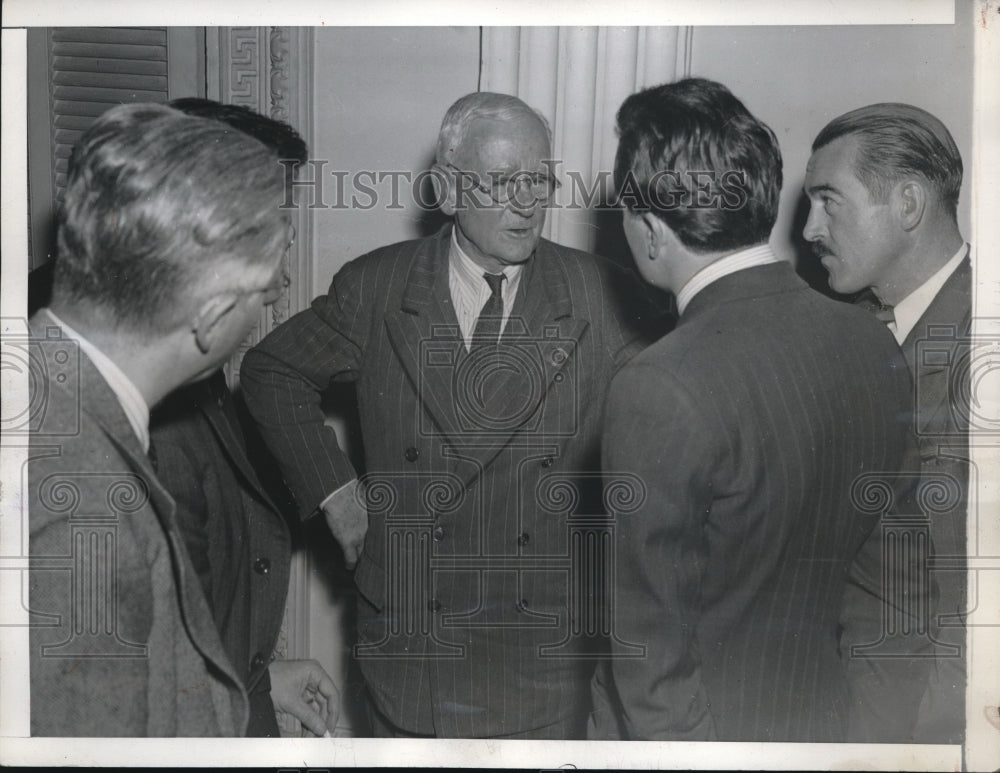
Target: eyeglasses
(273, 289)
(503, 188)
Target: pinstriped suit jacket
(466, 570)
(749, 424)
(124, 644)
(236, 536)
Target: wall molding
(270, 70)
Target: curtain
(577, 77)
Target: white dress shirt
(129, 396)
(760, 255)
(909, 310)
(470, 292)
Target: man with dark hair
(170, 241)
(236, 534)
(480, 355)
(883, 185)
(749, 425)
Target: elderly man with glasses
(481, 357)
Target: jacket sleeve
(887, 674)
(654, 430)
(283, 379)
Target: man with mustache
(883, 184)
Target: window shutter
(78, 73)
(94, 69)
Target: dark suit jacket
(937, 351)
(891, 698)
(238, 539)
(465, 574)
(749, 425)
(128, 646)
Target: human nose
(815, 226)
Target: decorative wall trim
(270, 70)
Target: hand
(347, 517)
(303, 689)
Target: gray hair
(157, 204)
(480, 104)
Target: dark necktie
(487, 332)
(871, 303)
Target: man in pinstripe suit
(481, 355)
(749, 425)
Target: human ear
(207, 326)
(658, 234)
(444, 189)
(912, 203)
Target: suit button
(259, 661)
(434, 605)
(262, 566)
(547, 461)
(523, 539)
(411, 454)
(437, 534)
(220, 401)
(522, 605)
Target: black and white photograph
(477, 385)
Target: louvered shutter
(80, 73)
(94, 69)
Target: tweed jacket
(124, 643)
(237, 537)
(749, 426)
(471, 619)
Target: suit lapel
(213, 403)
(425, 334)
(102, 405)
(931, 348)
(951, 306)
(538, 342)
(480, 400)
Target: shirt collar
(909, 310)
(129, 396)
(470, 273)
(760, 255)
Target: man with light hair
(481, 355)
(170, 238)
(883, 183)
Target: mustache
(820, 249)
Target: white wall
(381, 93)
